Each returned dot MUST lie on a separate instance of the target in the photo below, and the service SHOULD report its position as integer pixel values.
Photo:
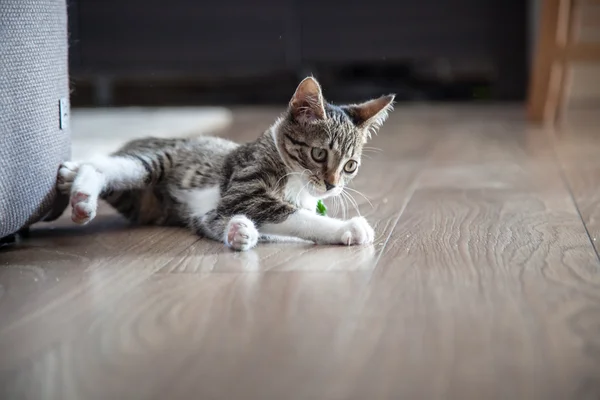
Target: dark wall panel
(339, 30)
(182, 36)
(220, 39)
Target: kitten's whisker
(291, 173)
(355, 203)
(351, 204)
(352, 201)
(371, 151)
(338, 206)
(344, 205)
(333, 206)
(370, 148)
(300, 192)
(363, 196)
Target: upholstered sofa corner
(34, 110)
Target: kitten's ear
(308, 104)
(371, 114)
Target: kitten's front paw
(356, 231)
(241, 234)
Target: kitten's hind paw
(83, 208)
(240, 233)
(66, 175)
(83, 205)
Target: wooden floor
(483, 283)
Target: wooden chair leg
(546, 48)
(560, 69)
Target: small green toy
(321, 209)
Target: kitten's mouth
(314, 189)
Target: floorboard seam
(565, 180)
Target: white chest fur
(296, 193)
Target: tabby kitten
(237, 193)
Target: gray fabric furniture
(33, 79)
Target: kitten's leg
(273, 217)
(85, 181)
(310, 226)
(234, 220)
(238, 232)
(84, 194)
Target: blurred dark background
(181, 52)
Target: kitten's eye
(319, 155)
(350, 166)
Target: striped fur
(231, 192)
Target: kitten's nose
(328, 186)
